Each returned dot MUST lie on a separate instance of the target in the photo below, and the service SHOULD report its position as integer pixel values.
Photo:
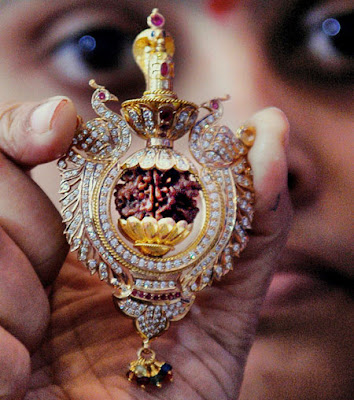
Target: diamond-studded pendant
(156, 224)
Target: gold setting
(156, 266)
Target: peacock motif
(156, 224)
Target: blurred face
(296, 55)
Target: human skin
(303, 346)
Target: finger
(30, 219)
(31, 134)
(268, 158)
(35, 133)
(24, 307)
(14, 367)
(234, 303)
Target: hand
(88, 346)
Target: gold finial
(153, 50)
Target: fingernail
(43, 117)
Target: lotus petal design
(154, 238)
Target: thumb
(241, 292)
(35, 133)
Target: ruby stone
(164, 69)
(214, 104)
(166, 114)
(157, 20)
(101, 96)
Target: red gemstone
(164, 69)
(101, 95)
(156, 297)
(134, 292)
(166, 114)
(157, 20)
(214, 104)
(148, 296)
(164, 297)
(171, 296)
(178, 295)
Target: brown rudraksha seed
(157, 194)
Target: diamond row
(205, 266)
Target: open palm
(85, 351)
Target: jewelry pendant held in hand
(157, 225)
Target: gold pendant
(157, 225)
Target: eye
(92, 53)
(316, 44)
(331, 39)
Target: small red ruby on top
(214, 104)
(157, 20)
(164, 69)
(102, 95)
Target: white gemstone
(92, 264)
(117, 268)
(114, 242)
(68, 214)
(151, 265)
(183, 116)
(219, 270)
(120, 249)
(215, 215)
